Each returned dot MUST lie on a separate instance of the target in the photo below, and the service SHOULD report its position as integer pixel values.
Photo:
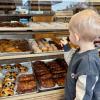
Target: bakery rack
(28, 33)
(37, 27)
(53, 94)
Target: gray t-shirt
(82, 81)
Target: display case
(35, 32)
(32, 62)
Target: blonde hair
(86, 23)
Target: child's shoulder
(89, 63)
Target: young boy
(83, 76)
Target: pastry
(12, 24)
(50, 48)
(58, 71)
(8, 67)
(55, 67)
(22, 45)
(7, 92)
(44, 49)
(26, 78)
(62, 63)
(40, 43)
(54, 47)
(46, 44)
(40, 67)
(9, 84)
(12, 49)
(36, 49)
(42, 73)
(17, 24)
(10, 78)
(35, 46)
(45, 76)
(60, 81)
(41, 70)
(59, 75)
(18, 65)
(7, 45)
(24, 86)
(14, 74)
(38, 63)
(42, 46)
(22, 69)
(57, 45)
(48, 83)
(33, 43)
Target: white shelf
(37, 27)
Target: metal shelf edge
(30, 55)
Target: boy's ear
(77, 37)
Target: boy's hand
(63, 41)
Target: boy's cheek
(72, 40)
